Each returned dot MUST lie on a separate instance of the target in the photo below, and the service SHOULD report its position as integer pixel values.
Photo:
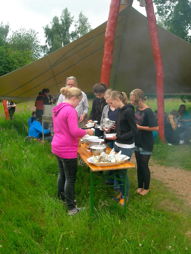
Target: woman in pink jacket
(65, 144)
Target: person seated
(32, 118)
(184, 124)
(36, 130)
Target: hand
(90, 132)
(138, 126)
(112, 138)
(81, 118)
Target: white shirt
(82, 107)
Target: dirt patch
(176, 179)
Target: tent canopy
(133, 65)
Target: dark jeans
(66, 181)
(143, 172)
(11, 112)
(120, 175)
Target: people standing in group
(98, 104)
(43, 98)
(125, 138)
(146, 123)
(65, 144)
(82, 107)
(11, 108)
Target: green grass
(33, 221)
(174, 156)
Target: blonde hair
(108, 93)
(69, 92)
(139, 94)
(122, 96)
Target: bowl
(110, 135)
(97, 149)
(98, 141)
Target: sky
(36, 14)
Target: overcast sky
(36, 14)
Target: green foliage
(4, 30)
(59, 34)
(175, 15)
(21, 48)
(33, 221)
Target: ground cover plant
(33, 220)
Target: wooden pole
(109, 42)
(158, 65)
(4, 102)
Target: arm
(147, 128)
(74, 130)
(40, 129)
(85, 107)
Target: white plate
(90, 125)
(124, 158)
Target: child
(146, 123)
(65, 144)
(124, 141)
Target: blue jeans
(120, 175)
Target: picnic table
(84, 154)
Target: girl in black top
(124, 140)
(146, 123)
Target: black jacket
(125, 125)
(97, 108)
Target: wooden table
(84, 153)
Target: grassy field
(33, 221)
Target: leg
(140, 177)
(146, 170)
(70, 170)
(61, 180)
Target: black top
(144, 139)
(112, 114)
(125, 125)
(97, 108)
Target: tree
(175, 16)
(26, 41)
(4, 30)
(19, 49)
(59, 33)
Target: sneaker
(73, 211)
(122, 201)
(181, 142)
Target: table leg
(126, 186)
(91, 193)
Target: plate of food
(108, 159)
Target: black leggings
(66, 181)
(143, 172)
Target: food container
(98, 141)
(97, 149)
(110, 135)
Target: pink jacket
(66, 131)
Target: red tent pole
(158, 65)
(109, 42)
(4, 102)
